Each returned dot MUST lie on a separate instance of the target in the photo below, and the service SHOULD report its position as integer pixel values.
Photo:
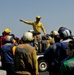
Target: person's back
(7, 56)
(25, 57)
(7, 53)
(66, 36)
(56, 54)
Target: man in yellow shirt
(37, 25)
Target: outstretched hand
(21, 20)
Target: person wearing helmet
(5, 33)
(51, 55)
(25, 57)
(37, 25)
(48, 39)
(53, 34)
(7, 56)
(58, 53)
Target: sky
(54, 13)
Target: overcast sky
(54, 13)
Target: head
(64, 33)
(46, 37)
(38, 18)
(27, 37)
(6, 31)
(55, 36)
(54, 33)
(71, 44)
(70, 47)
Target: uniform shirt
(7, 56)
(54, 55)
(25, 55)
(2, 40)
(58, 50)
(37, 26)
(67, 68)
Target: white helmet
(65, 33)
(8, 38)
(27, 36)
(54, 33)
(31, 31)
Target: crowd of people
(19, 55)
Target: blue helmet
(64, 33)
